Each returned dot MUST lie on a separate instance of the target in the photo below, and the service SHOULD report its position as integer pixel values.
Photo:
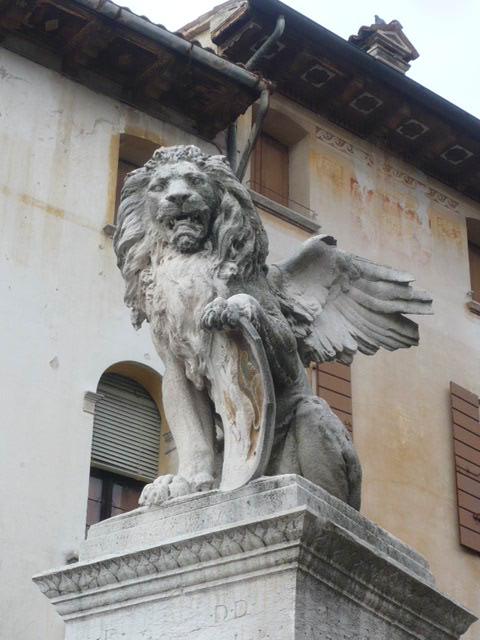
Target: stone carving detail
(342, 145)
(221, 544)
(298, 572)
(192, 251)
(414, 183)
(388, 169)
(319, 547)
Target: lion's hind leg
(317, 446)
(325, 452)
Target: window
(110, 494)
(473, 232)
(332, 382)
(279, 171)
(124, 168)
(125, 446)
(474, 257)
(133, 153)
(270, 169)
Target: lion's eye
(195, 179)
(159, 185)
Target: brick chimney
(387, 43)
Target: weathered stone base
(279, 559)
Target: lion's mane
(237, 240)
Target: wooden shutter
(126, 429)
(474, 258)
(270, 169)
(332, 382)
(466, 442)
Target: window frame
(257, 181)
(108, 479)
(474, 264)
(473, 252)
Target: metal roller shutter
(126, 429)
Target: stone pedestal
(279, 559)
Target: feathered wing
(338, 304)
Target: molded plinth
(279, 559)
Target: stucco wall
(64, 323)
(62, 317)
(385, 210)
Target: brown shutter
(270, 169)
(474, 258)
(466, 443)
(332, 382)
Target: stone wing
(338, 304)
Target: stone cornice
(142, 528)
(293, 541)
(85, 576)
(387, 168)
(336, 557)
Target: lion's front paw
(212, 315)
(224, 314)
(170, 486)
(156, 492)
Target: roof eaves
(366, 62)
(175, 43)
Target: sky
(444, 32)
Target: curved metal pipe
(232, 145)
(267, 45)
(254, 133)
(264, 100)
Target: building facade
(349, 145)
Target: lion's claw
(170, 486)
(211, 317)
(226, 314)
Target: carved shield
(243, 393)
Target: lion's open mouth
(184, 220)
(191, 223)
(187, 230)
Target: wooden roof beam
(94, 37)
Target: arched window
(125, 446)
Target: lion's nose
(178, 197)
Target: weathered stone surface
(279, 559)
(260, 499)
(193, 251)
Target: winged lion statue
(236, 334)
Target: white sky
(444, 32)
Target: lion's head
(190, 202)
